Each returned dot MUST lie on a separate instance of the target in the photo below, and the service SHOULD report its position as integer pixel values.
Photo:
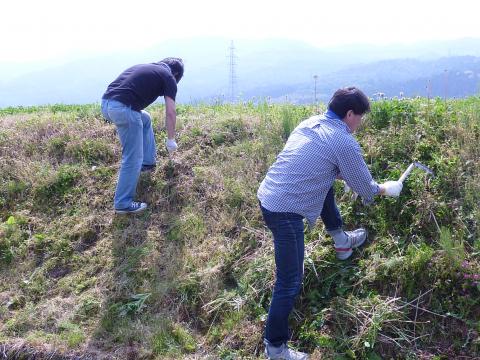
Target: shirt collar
(330, 115)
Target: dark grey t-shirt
(140, 85)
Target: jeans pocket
(120, 116)
(104, 109)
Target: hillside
(192, 277)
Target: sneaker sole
(344, 255)
(130, 212)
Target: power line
(446, 83)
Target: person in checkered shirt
(298, 186)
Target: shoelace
(135, 204)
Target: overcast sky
(45, 29)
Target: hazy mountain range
(280, 69)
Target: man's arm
(355, 172)
(170, 117)
(170, 122)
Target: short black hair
(349, 98)
(176, 66)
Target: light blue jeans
(138, 147)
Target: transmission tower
(233, 75)
(315, 78)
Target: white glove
(171, 145)
(392, 188)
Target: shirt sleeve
(354, 170)
(170, 87)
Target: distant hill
(457, 76)
(275, 68)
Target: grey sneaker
(345, 241)
(135, 207)
(283, 352)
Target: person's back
(140, 85)
(306, 168)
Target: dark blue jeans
(288, 239)
(330, 215)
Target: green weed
(453, 250)
(188, 227)
(71, 333)
(13, 239)
(172, 339)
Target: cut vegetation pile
(192, 276)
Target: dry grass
(191, 278)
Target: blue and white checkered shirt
(317, 151)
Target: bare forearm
(171, 120)
(170, 117)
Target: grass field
(191, 278)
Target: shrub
(228, 131)
(90, 151)
(55, 188)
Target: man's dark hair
(175, 65)
(349, 98)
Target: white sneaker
(348, 240)
(283, 352)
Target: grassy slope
(192, 277)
